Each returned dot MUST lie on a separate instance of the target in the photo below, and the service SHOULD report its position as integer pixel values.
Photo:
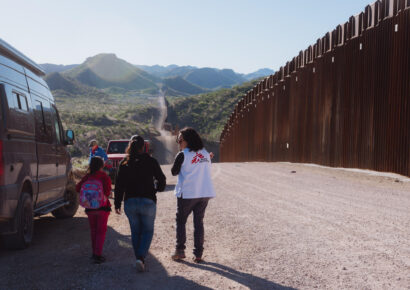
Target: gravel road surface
(272, 226)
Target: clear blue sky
(243, 35)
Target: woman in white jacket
(193, 190)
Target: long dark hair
(194, 141)
(96, 164)
(134, 148)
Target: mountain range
(108, 72)
(106, 97)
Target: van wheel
(24, 225)
(70, 209)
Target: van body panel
(13, 54)
(9, 197)
(32, 136)
(20, 120)
(11, 64)
(63, 159)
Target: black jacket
(136, 178)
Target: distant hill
(106, 70)
(207, 78)
(175, 86)
(50, 68)
(63, 86)
(263, 72)
(96, 114)
(167, 71)
(207, 112)
(210, 78)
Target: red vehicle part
(116, 152)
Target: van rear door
(62, 157)
(47, 162)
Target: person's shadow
(59, 258)
(248, 280)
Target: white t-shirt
(194, 178)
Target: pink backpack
(92, 194)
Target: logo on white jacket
(199, 158)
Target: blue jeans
(141, 215)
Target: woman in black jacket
(135, 184)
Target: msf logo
(197, 158)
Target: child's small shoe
(98, 259)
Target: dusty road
(165, 146)
(268, 228)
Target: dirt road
(268, 228)
(165, 146)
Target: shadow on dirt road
(59, 259)
(244, 279)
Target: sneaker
(178, 255)
(198, 260)
(98, 259)
(140, 266)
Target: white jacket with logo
(194, 179)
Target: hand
(118, 211)
(211, 154)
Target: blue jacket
(98, 152)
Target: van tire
(69, 210)
(24, 225)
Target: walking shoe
(98, 259)
(140, 266)
(198, 260)
(178, 255)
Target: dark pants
(184, 209)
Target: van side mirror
(69, 137)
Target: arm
(119, 188)
(176, 167)
(107, 185)
(159, 175)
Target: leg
(184, 208)
(92, 219)
(147, 218)
(101, 231)
(130, 209)
(199, 213)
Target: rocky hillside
(106, 70)
(207, 112)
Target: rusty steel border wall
(342, 102)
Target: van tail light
(1, 164)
